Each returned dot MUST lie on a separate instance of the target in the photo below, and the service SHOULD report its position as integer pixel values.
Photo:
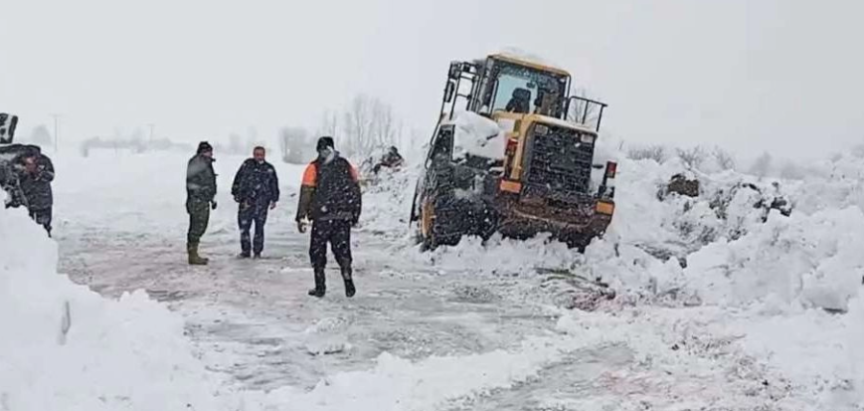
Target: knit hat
(204, 147)
(325, 142)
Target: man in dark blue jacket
(256, 190)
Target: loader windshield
(520, 89)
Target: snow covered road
(471, 327)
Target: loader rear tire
(433, 231)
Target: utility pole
(56, 131)
(152, 132)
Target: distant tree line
(366, 126)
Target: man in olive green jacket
(200, 198)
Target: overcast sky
(746, 75)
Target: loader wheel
(432, 232)
(427, 225)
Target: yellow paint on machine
(511, 186)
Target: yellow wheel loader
(513, 152)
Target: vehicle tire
(413, 216)
(433, 231)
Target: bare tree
(384, 125)
(723, 158)
(369, 124)
(329, 125)
(357, 125)
(693, 157)
(417, 141)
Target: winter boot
(194, 258)
(320, 286)
(349, 282)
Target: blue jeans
(252, 213)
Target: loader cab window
(525, 90)
(514, 94)
(520, 101)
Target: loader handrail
(582, 109)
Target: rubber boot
(194, 258)
(349, 282)
(320, 284)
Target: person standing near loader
(200, 198)
(330, 197)
(256, 190)
(36, 172)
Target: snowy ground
(486, 326)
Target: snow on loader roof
(528, 57)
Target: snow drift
(734, 309)
(774, 289)
(66, 348)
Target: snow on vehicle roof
(477, 135)
(520, 54)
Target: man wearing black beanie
(330, 198)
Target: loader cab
(531, 173)
(520, 87)
(505, 84)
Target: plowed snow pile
(720, 305)
(769, 304)
(64, 347)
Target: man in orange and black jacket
(330, 197)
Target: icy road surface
(479, 327)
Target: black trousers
(199, 218)
(338, 234)
(252, 213)
(43, 217)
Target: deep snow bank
(131, 354)
(765, 286)
(64, 347)
(719, 248)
